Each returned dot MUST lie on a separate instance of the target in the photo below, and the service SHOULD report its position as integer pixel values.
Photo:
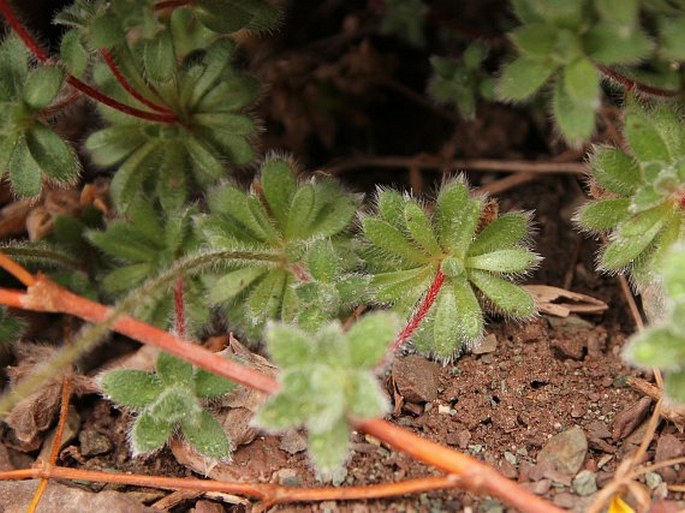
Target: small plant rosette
(168, 400)
(641, 194)
(408, 246)
(326, 378)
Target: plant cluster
(570, 44)
(289, 258)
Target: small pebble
(585, 483)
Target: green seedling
(409, 247)
(170, 160)
(460, 83)
(30, 150)
(562, 42)
(171, 397)
(663, 344)
(144, 245)
(325, 378)
(641, 194)
(310, 275)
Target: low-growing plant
(461, 82)
(173, 397)
(302, 228)
(326, 378)
(570, 44)
(640, 193)
(662, 345)
(474, 261)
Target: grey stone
(566, 450)
(585, 483)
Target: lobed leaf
(279, 184)
(208, 384)
(228, 286)
(131, 388)
(24, 172)
(392, 240)
(420, 228)
(369, 337)
(42, 86)
(328, 449)
(522, 78)
(365, 398)
(446, 338)
(301, 212)
(657, 347)
(575, 119)
(650, 135)
(173, 371)
(207, 436)
(149, 433)
(289, 346)
(52, 154)
(632, 237)
(535, 41)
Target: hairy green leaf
(522, 78)
(616, 171)
(149, 433)
(369, 338)
(131, 388)
(604, 215)
(508, 298)
(207, 436)
(42, 85)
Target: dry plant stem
(632, 306)
(432, 162)
(109, 60)
(47, 296)
(633, 85)
(267, 493)
(506, 183)
(626, 473)
(57, 441)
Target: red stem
(109, 60)
(42, 56)
(632, 84)
(170, 4)
(22, 32)
(121, 107)
(179, 306)
(420, 312)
